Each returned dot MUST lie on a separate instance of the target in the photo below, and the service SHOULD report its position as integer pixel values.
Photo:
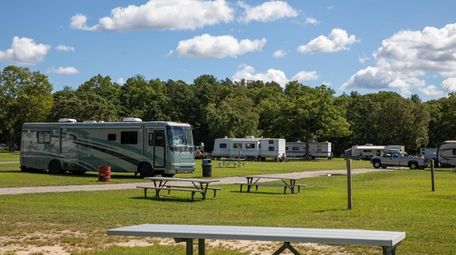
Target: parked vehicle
(144, 147)
(316, 150)
(397, 158)
(446, 154)
(250, 148)
(368, 151)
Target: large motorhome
(316, 150)
(250, 148)
(144, 147)
(446, 154)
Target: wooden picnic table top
(158, 178)
(271, 177)
(315, 235)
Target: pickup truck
(398, 159)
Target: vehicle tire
(413, 165)
(24, 169)
(55, 167)
(377, 164)
(145, 170)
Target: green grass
(11, 176)
(397, 201)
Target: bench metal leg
(201, 247)
(145, 193)
(286, 245)
(388, 250)
(188, 244)
(240, 190)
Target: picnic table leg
(188, 244)
(157, 194)
(389, 250)
(201, 247)
(286, 245)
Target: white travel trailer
(249, 147)
(144, 147)
(316, 150)
(446, 154)
(367, 151)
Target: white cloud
(404, 60)
(162, 15)
(279, 54)
(208, 46)
(247, 72)
(305, 76)
(63, 47)
(121, 81)
(24, 51)
(311, 21)
(67, 70)
(268, 11)
(363, 59)
(337, 40)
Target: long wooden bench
(256, 185)
(176, 188)
(388, 240)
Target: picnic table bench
(288, 183)
(231, 162)
(388, 240)
(169, 184)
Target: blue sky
(403, 46)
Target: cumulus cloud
(66, 70)
(24, 51)
(311, 21)
(337, 40)
(279, 54)
(247, 72)
(63, 47)
(268, 11)
(162, 15)
(208, 46)
(403, 61)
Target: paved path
(123, 186)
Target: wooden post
(349, 183)
(432, 175)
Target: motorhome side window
(237, 145)
(271, 148)
(111, 137)
(129, 137)
(43, 136)
(151, 139)
(223, 146)
(250, 146)
(295, 148)
(271, 141)
(454, 151)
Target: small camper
(365, 152)
(250, 148)
(144, 147)
(316, 150)
(446, 153)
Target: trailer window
(129, 137)
(250, 146)
(222, 146)
(271, 148)
(111, 137)
(295, 148)
(43, 136)
(271, 141)
(454, 151)
(237, 145)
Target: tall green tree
(25, 96)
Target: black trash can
(207, 168)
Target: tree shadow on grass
(169, 199)
(331, 210)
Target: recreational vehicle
(316, 150)
(250, 148)
(144, 147)
(446, 154)
(369, 151)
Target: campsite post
(349, 183)
(432, 175)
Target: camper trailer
(250, 148)
(446, 153)
(144, 147)
(365, 152)
(316, 150)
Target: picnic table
(169, 184)
(231, 162)
(388, 240)
(288, 183)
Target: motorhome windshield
(179, 136)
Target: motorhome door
(156, 147)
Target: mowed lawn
(389, 200)
(11, 176)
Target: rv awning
(369, 147)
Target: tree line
(218, 108)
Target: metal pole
(349, 183)
(432, 175)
